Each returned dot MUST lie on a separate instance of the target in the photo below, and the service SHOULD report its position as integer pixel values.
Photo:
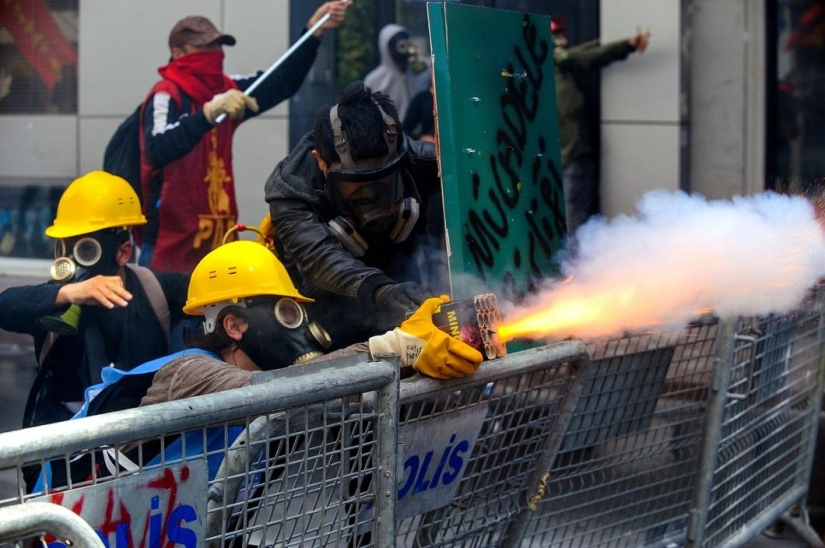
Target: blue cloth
(145, 256)
(194, 441)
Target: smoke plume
(680, 256)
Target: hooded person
(350, 206)
(97, 311)
(402, 72)
(187, 181)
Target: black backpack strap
(48, 343)
(157, 299)
(37, 385)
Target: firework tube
(474, 321)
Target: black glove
(396, 300)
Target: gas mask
(369, 193)
(404, 53)
(279, 333)
(80, 258)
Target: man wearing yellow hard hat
(254, 320)
(96, 312)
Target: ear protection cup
(407, 217)
(348, 236)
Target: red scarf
(199, 74)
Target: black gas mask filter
(369, 193)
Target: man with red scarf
(186, 156)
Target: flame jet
(680, 256)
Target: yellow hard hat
(235, 271)
(93, 202)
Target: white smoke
(679, 256)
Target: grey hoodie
(400, 86)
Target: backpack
(122, 155)
(157, 299)
(124, 390)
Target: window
(796, 141)
(38, 56)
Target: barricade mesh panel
(627, 467)
(521, 411)
(559, 452)
(301, 477)
(768, 422)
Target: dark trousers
(581, 192)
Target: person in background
(98, 311)
(350, 206)
(419, 123)
(572, 66)
(187, 179)
(401, 73)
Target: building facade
(726, 100)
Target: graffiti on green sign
(486, 227)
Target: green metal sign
(499, 148)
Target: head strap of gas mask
(342, 144)
(369, 170)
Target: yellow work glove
(232, 102)
(426, 348)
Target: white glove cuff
(407, 346)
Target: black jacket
(343, 285)
(187, 125)
(125, 337)
(571, 68)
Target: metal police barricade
(707, 454)
(626, 468)
(474, 452)
(235, 468)
(761, 429)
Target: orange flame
(577, 315)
